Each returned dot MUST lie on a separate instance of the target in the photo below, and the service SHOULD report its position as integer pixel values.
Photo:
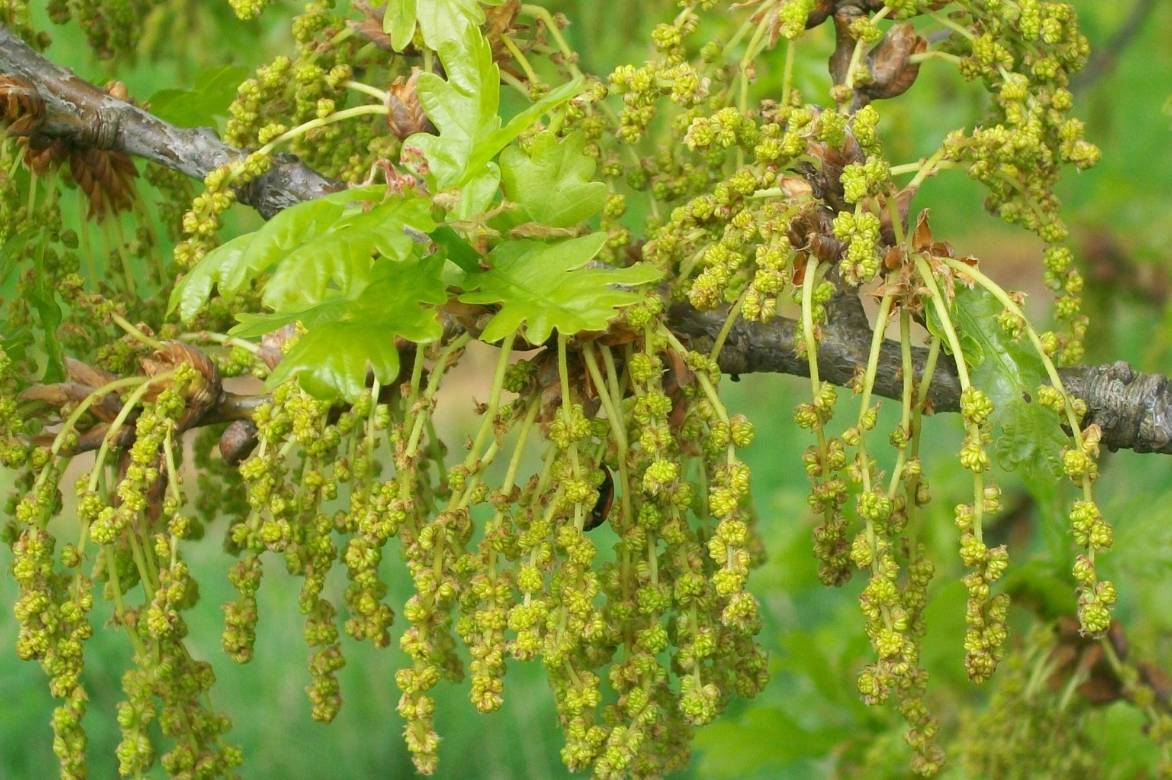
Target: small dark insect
(601, 508)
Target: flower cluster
(1025, 56)
(202, 220)
(296, 91)
(986, 612)
(1023, 729)
(669, 75)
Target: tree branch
(1134, 410)
(84, 115)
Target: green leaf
(1120, 736)
(1026, 433)
(333, 360)
(193, 291)
(477, 195)
(553, 182)
(347, 338)
(214, 91)
(522, 122)
(314, 250)
(441, 21)
(765, 737)
(12, 252)
(335, 265)
(397, 226)
(289, 229)
(15, 341)
(969, 347)
(464, 110)
(399, 22)
(338, 262)
(457, 249)
(545, 287)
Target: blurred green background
(809, 722)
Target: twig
(87, 116)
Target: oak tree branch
(86, 116)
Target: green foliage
(345, 339)
(552, 180)
(465, 110)
(542, 287)
(439, 21)
(346, 335)
(204, 103)
(1010, 373)
(313, 251)
(44, 300)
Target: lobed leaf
(552, 183)
(314, 250)
(1025, 432)
(399, 20)
(438, 21)
(464, 110)
(347, 338)
(543, 287)
(442, 21)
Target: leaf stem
(612, 414)
(521, 59)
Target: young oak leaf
(552, 183)
(464, 110)
(346, 339)
(399, 20)
(334, 359)
(438, 20)
(544, 287)
(1026, 433)
(232, 265)
(311, 249)
(289, 229)
(446, 20)
(339, 261)
(193, 291)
